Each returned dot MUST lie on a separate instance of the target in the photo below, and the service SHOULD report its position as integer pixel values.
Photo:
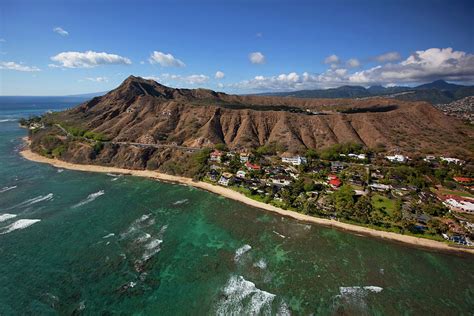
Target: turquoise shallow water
(130, 246)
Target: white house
(295, 161)
(460, 205)
(244, 157)
(397, 158)
(283, 181)
(451, 160)
(358, 156)
(225, 179)
(240, 174)
(380, 187)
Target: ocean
(85, 243)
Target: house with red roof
(252, 166)
(216, 156)
(464, 180)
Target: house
(358, 156)
(335, 183)
(240, 174)
(281, 181)
(463, 180)
(294, 160)
(380, 187)
(429, 158)
(451, 160)
(337, 166)
(216, 156)
(225, 179)
(458, 203)
(251, 166)
(244, 157)
(397, 158)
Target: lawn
(382, 202)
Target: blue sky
(72, 47)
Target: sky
(248, 46)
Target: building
(337, 166)
(281, 181)
(295, 160)
(335, 183)
(241, 174)
(463, 180)
(451, 160)
(216, 156)
(380, 187)
(460, 204)
(225, 179)
(244, 157)
(358, 156)
(397, 158)
(251, 166)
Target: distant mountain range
(436, 92)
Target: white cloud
(353, 63)
(11, 65)
(60, 31)
(257, 58)
(190, 79)
(98, 79)
(422, 66)
(332, 59)
(219, 75)
(388, 57)
(88, 59)
(165, 60)
(220, 85)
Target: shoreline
(236, 196)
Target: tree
(343, 200)
(362, 209)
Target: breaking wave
(242, 297)
(7, 120)
(5, 189)
(261, 264)
(239, 252)
(108, 235)
(35, 200)
(91, 197)
(6, 216)
(154, 246)
(180, 202)
(19, 224)
(355, 297)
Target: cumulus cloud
(165, 60)
(421, 66)
(60, 31)
(11, 65)
(190, 79)
(388, 57)
(353, 63)
(219, 75)
(87, 59)
(98, 79)
(332, 59)
(257, 58)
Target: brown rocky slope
(143, 111)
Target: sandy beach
(228, 193)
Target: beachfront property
(294, 160)
(226, 179)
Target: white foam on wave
(242, 297)
(19, 224)
(239, 252)
(356, 296)
(356, 290)
(279, 235)
(154, 245)
(91, 197)
(142, 222)
(108, 235)
(261, 264)
(60, 170)
(180, 202)
(5, 189)
(7, 120)
(39, 198)
(6, 216)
